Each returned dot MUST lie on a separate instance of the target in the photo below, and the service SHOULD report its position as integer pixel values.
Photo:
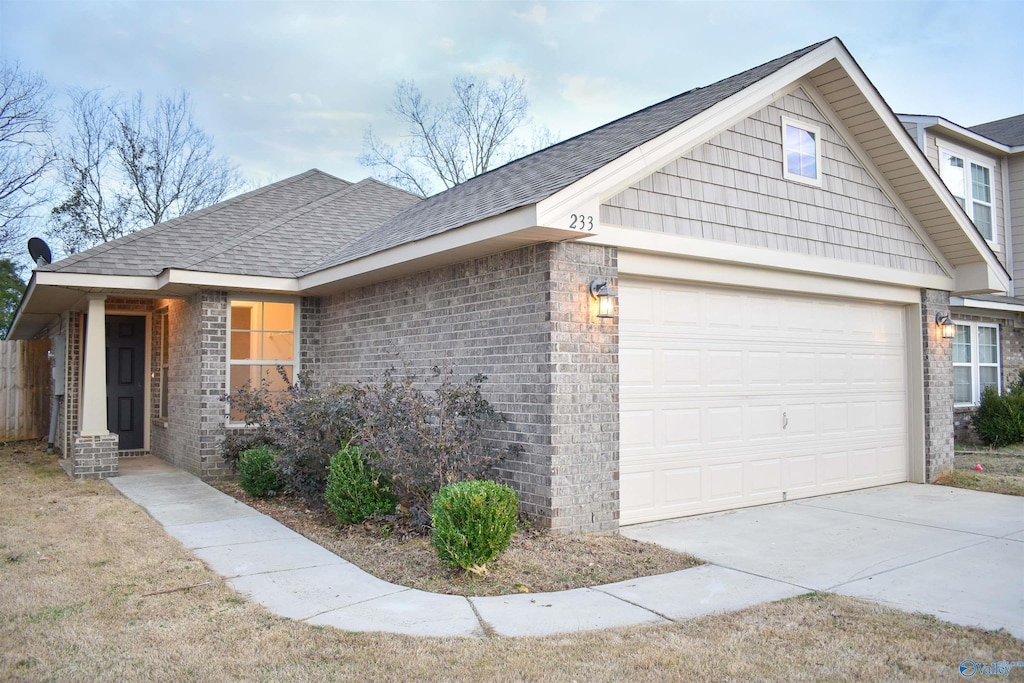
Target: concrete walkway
(953, 553)
(296, 578)
(949, 552)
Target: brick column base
(94, 457)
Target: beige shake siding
(731, 189)
(1016, 177)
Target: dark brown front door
(126, 382)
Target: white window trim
(815, 130)
(296, 361)
(976, 363)
(968, 159)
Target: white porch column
(94, 369)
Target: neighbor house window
(971, 184)
(165, 354)
(801, 151)
(975, 362)
(262, 352)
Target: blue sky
(284, 87)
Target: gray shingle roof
(535, 177)
(313, 221)
(1009, 131)
(277, 230)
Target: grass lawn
(1002, 471)
(88, 593)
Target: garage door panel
(681, 367)
(679, 308)
(749, 397)
(764, 477)
(682, 426)
(682, 486)
(636, 367)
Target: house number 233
(581, 222)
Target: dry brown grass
(1003, 471)
(535, 562)
(77, 561)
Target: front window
(801, 151)
(262, 347)
(975, 362)
(971, 183)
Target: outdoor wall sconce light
(947, 326)
(602, 293)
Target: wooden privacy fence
(24, 389)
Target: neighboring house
(779, 247)
(983, 167)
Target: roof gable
(539, 175)
(740, 197)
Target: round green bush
(473, 522)
(999, 420)
(256, 473)
(355, 488)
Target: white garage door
(732, 398)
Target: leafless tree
(480, 127)
(124, 167)
(169, 162)
(97, 206)
(25, 149)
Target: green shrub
(473, 522)
(999, 420)
(355, 488)
(256, 473)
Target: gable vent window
(263, 347)
(801, 151)
(971, 183)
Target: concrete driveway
(953, 553)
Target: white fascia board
(586, 194)
(95, 281)
(229, 281)
(171, 276)
(506, 224)
(979, 278)
(967, 302)
(725, 252)
(959, 131)
(917, 156)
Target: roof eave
(510, 230)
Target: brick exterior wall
(94, 457)
(938, 386)
(73, 381)
(1011, 358)
(190, 437)
(169, 438)
(521, 318)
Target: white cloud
(296, 98)
(538, 14)
(589, 93)
(497, 69)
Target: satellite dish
(39, 251)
